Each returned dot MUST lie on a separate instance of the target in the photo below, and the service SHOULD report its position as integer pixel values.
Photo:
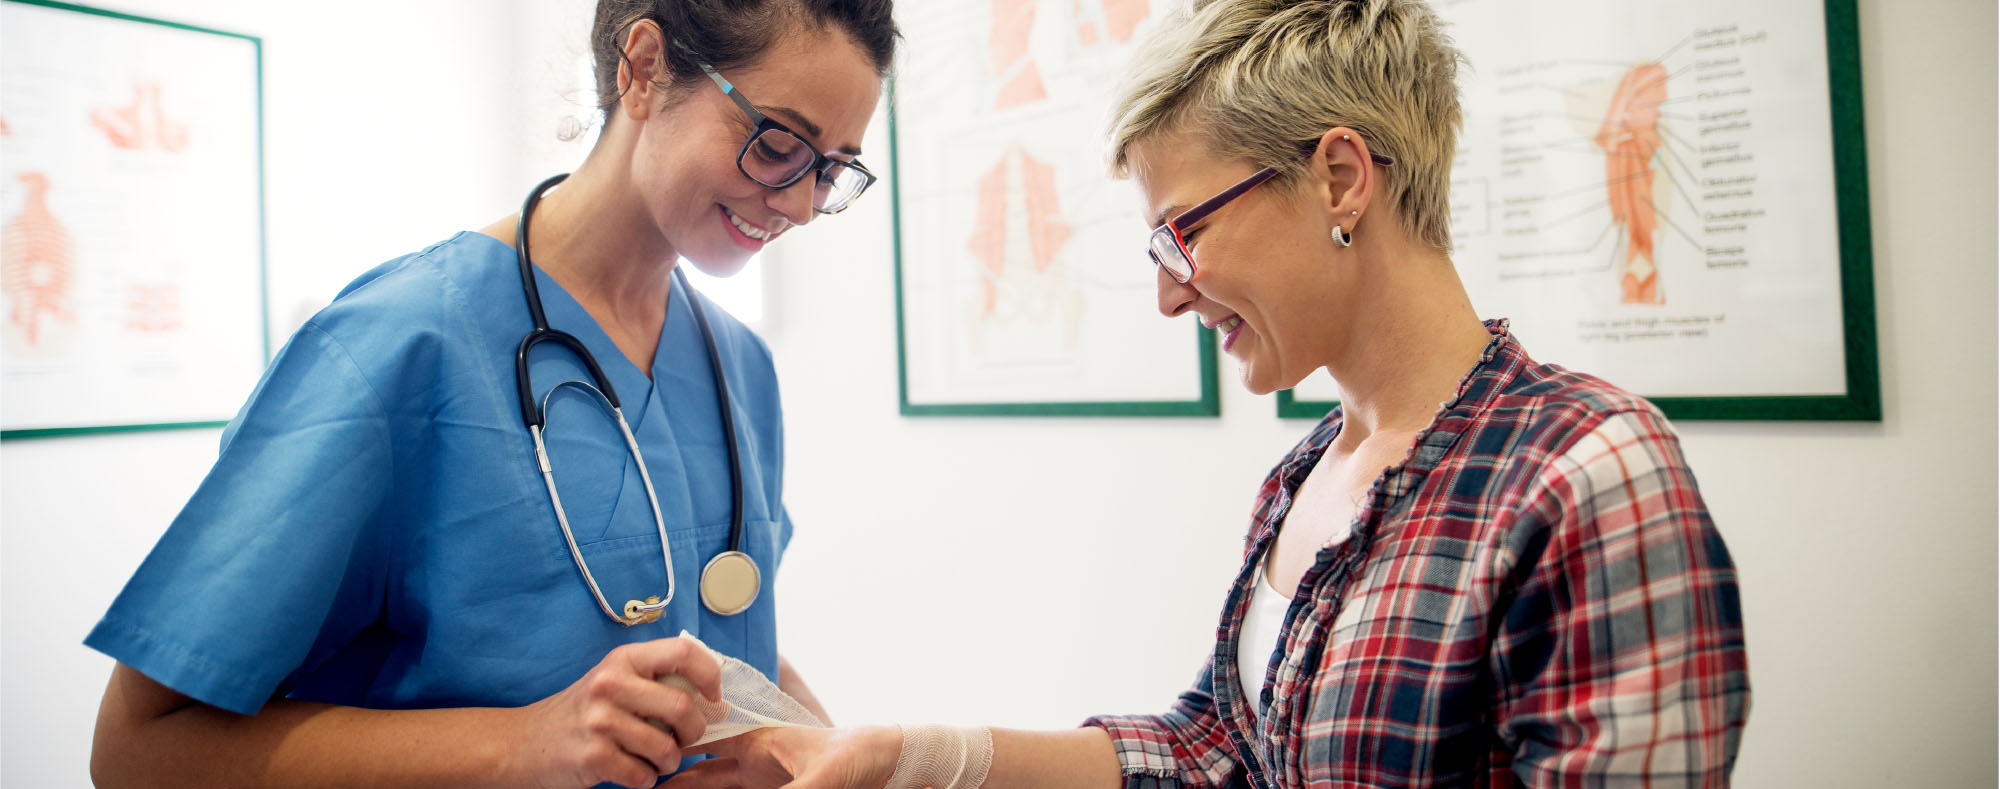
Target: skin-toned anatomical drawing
(1007, 50)
(1024, 300)
(1119, 18)
(142, 125)
(1017, 202)
(35, 271)
(1629, 136)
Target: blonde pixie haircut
(1263, 80)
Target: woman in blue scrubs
(371, 586)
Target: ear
(641, 70)
(1346, 177)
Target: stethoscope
(731, 580)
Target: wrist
(883, 746)
(502, 747)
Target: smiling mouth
(1228, 324)
(743, 226)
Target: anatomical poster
(131, 222)
(1023, 283)
(1671, 197)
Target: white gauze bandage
(943, 757)
(749, 701)
(933, 756)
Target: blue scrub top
(376, 533)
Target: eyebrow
(1172, 210)
(808, 126)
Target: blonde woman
(1480, 570)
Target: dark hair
(729, 33)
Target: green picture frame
(222, 407)
(1207, 404)
(1862, 401)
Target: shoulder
(753, 375)
(1593, 440)
(401, 317)
(739, 345)
(424, 286)
(1549, 408)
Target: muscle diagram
(1630, 136)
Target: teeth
(1229, 325)
(747, 228)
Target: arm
(794, 686)
(149, 734)
(865, 758)
(596, 730)
(1621, 655)
(1186, 747)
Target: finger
(664, 657)
(646, 743)
(666, 707)
(620, 767)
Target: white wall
(388, 126)
(1031, 572)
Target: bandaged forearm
(943, 757)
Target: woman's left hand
(797, 758)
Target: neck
(1421, 337)
(593, 235)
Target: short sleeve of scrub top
(376, 533)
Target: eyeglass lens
(777, 159)
(1167, 252)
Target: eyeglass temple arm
(1200, 212)
(728, 89)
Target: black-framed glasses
(777, 157)
(1168, 247)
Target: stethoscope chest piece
(730, 582)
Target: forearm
(1075, 759)
(292, 744)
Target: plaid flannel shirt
(1535, 596)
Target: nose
(1175, 298)
(794, 201)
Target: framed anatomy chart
(131, 192)
(1023, 285)
(1670, 196)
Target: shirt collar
(1498, 363)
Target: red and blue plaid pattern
(1535, 596)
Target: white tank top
(1261, 627)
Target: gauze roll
(749, 701)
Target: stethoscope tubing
(533, 416)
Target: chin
(724, 264)
(1259, 382)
